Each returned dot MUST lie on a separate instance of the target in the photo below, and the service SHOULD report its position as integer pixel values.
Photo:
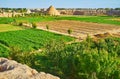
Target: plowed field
(80, 29)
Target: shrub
(34, 25)
(84, 60)
(47, 27)
(20, 24)
(22, 57)
(69, 31)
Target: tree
(117, 8)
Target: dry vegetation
(115, 19)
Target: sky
(60, 3)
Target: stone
(10, 69)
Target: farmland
(5, 20)
(94, 19)
(31, 39)
(28, 40)
(88, 59)
(81, 25)
(80, 29)
(8, 27)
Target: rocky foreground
(10, 69)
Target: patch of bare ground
(116, 34)
(80, 29)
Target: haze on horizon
(60, 3)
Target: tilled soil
(80, 29)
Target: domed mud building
(52, 11)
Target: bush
(20, 24)
(69, 31)
(34, 25)
(47, 27)
(21, 57)
(84, 60)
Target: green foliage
(34, 25)
(35, 14)
(29, 39)
(20, 23)
(8, 20)
(20, 56)
(94, 19)
(9, 27)
(5, 20)
(4, 51)
(85, 60)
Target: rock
(10, 69)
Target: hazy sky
(60, 3)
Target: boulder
(10, 69)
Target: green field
(8, 27)
(6, 20)
(28, 40)
(94, 19)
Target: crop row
(28, 40)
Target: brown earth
(80, 29)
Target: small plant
(69, 31)
(34, 25)
(20, 24)
(47, 27)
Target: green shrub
(20, 24)
(34, 25)
(84, 60)
(21, 57)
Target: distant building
(113, 12)
(83, 11)
(11, 12)
(28, 11)
(52, 11)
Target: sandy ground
(80, 29)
